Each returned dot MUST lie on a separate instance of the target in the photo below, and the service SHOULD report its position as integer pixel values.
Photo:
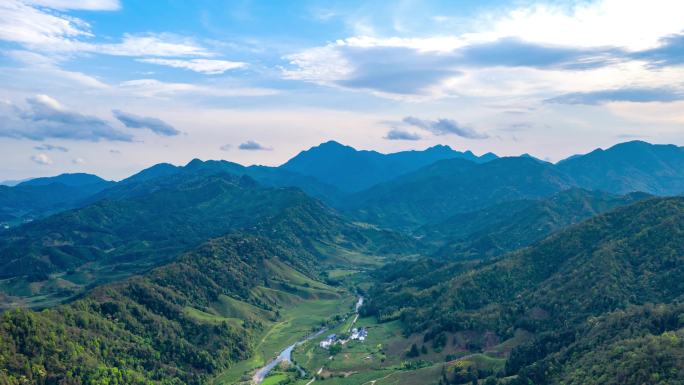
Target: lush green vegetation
(151, 222)
(141, 330)
(436, 192)
(629, 257)
(512, 225)
(631, 166)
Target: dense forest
(142, 330)
(565, 290)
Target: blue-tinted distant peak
(75, 179)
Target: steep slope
(511, 225)
(167, 326)
(629, 257)
(448, 187)
(40, 197)
(351, 170)
(631, 166)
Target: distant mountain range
(449, 187)
(349, 179)
(39, 197)
(627, 167)
(352, 170)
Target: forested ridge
(564, 290)
(139, 331)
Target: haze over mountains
(511, 270)
(345, 178)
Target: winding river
(286, 354)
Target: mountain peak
(196, 162)
(440, 147)
(73, 179)
(155, 171)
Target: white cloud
(41, 159)
(78, 161)
(154, 88)
(38, 66)
(545, 48)
(631, 24)
(31, 26)
(153, 45)
(87, 5)
(205, 66)
(50, 31)
(444, 127)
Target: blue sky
(112, 86)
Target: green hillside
(629, 257)
(449, 187)
(57, 257)
(511, 225)
(181, 323)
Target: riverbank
(286, 354)
(295, 321)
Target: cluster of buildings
(329, 340)
(356, 334)
(359, 334)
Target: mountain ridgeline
(39, 197)
(511, 225)
(477, 269)
(136, 226)
(350, 170)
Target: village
(359, 334)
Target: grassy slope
(297, 320)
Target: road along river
(286, 354)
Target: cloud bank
(44, 118)
(399, 134)
(444, 127)
(153, 124)
(251, 145)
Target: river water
(286, 354)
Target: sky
(113, 86)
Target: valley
(456, 270)
(386, 192)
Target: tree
(413, 352)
